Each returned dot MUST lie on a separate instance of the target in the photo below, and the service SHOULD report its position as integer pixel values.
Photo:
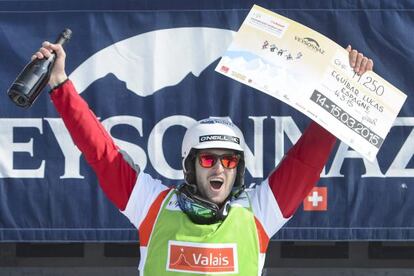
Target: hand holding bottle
(40, 71)
(58, 73)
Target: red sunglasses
(228, 161)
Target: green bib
(178, 246)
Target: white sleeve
(266, 209)
(145, 191)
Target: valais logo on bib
(202, 258)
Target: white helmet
(213, 133)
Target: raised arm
(300, 169)
(116, 176)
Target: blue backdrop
(47, 191)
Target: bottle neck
(52, 57)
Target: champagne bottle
(34, 77)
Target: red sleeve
(300, 169)
(116, 177)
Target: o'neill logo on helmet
(202, 258)
(217, 137)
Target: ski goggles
(197, 209)
(228, 161)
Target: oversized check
(310, 72)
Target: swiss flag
(316, 200)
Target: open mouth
(216, 184)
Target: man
(210, 224)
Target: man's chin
(216, 196)
(219, 200)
